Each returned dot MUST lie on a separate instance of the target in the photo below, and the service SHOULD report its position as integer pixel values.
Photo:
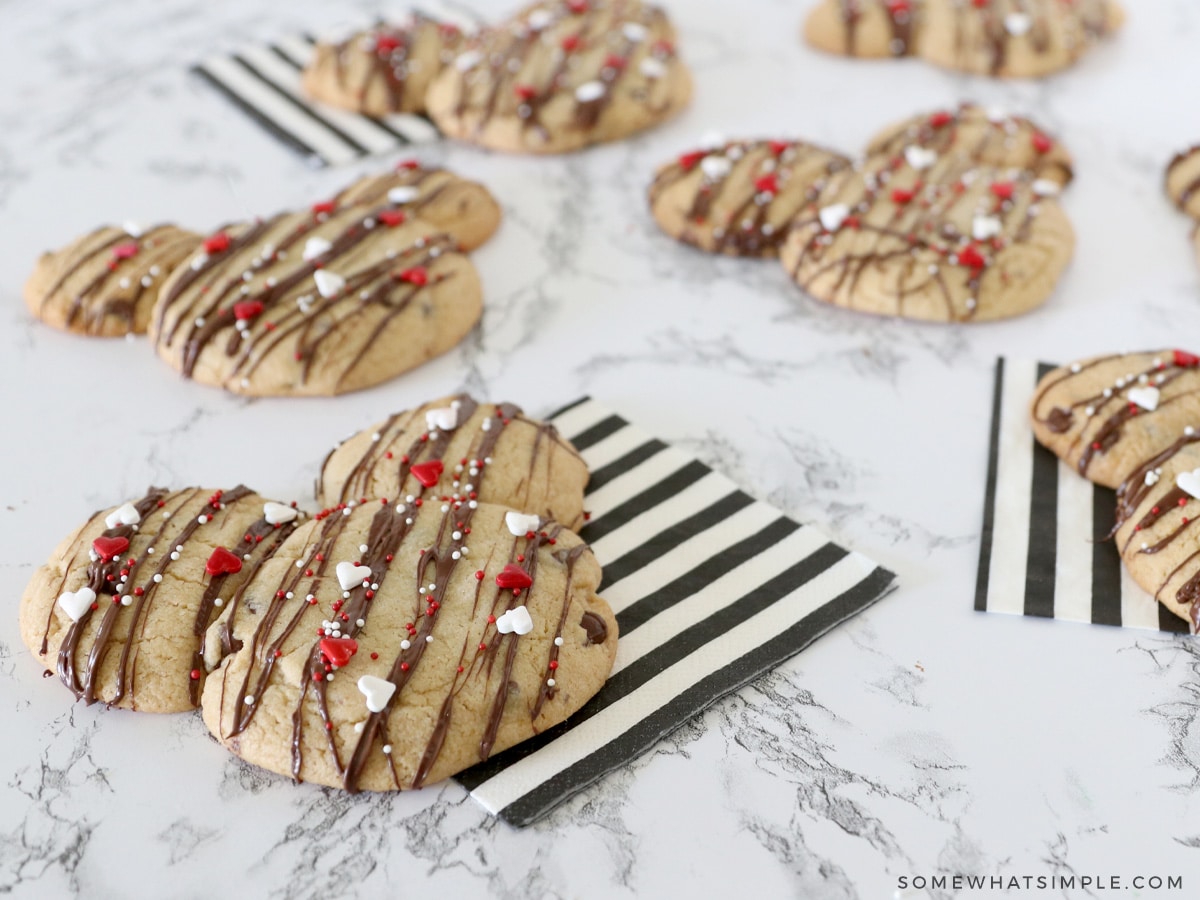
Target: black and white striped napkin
(711, 588)
(1044, 551)
(263, 81)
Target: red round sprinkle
(217, 243)
(195, 674)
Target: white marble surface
(921, 738)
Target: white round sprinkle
(558, 642)
(248, 700)
(218, 602)
(387, 748)
(157, 579)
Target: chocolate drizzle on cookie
(386, 53)
(247, 298)
(760, 185)
(119, 557)
(583, 52)
(390, 451)
(130, 268)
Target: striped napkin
(1044, 551)
(711, 589)
(263, 81)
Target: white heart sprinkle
(329, 284)
(833, 216)
(515, 620)
(589, 91)
(715, 167)
(920, 157)
(1017, 23)
(316, 246)
(125, 514)
(1145, 397)
(468, 60)
(277, 513)
(520, 524)
(349, 575)
(653, 68)
(405, 193)
(539, 19)
(634, 32)
(378, 692)
(76, 603)
(996, 115)
(711, 140)
(1190, 482)
(1152, 478)
(985, 227)
(443, 419)
(1045, 188)
(133, 229)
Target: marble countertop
(920, 738)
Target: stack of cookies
(950, 216)
(1132, 422)
(557, 76)
(438, 609)
(348, 293)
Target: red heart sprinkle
(525, 91)
(941, 119)
(1003, 189)
(125, 251)
(217, 243)
(689, 161)
(778, 148)
(513, 576)
(247, 309)
(326, 206)
(579, 7)
(392, 217)
(767, 184)
(900, 196)
(428, 473)
(612, 61)
(980, 4)
(970, 257)
(1041, 143)
(386, 43)
(418, 275)
(222, 562)
(895, 7)
(410, 165)
(1186, 360)
(110, 547)
(338, 650)
(662, 48)
(571, 42)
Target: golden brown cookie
(1158, 524)
(1106, 415)
(939, 240)
(324, 301)
(739, 198)
(561, 75)
(105, 283)
(1014, 38)
(122, 607)
(390, 645)
(461, 449)
(986, 137)
(1183, 181)
(866, 28)
(1001, 38)
(385, 69)
(463, 209)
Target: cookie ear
(740, 198)
(870, 29)
(982, 136)
(383, 70)
(1182, 181)
(106, 282)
